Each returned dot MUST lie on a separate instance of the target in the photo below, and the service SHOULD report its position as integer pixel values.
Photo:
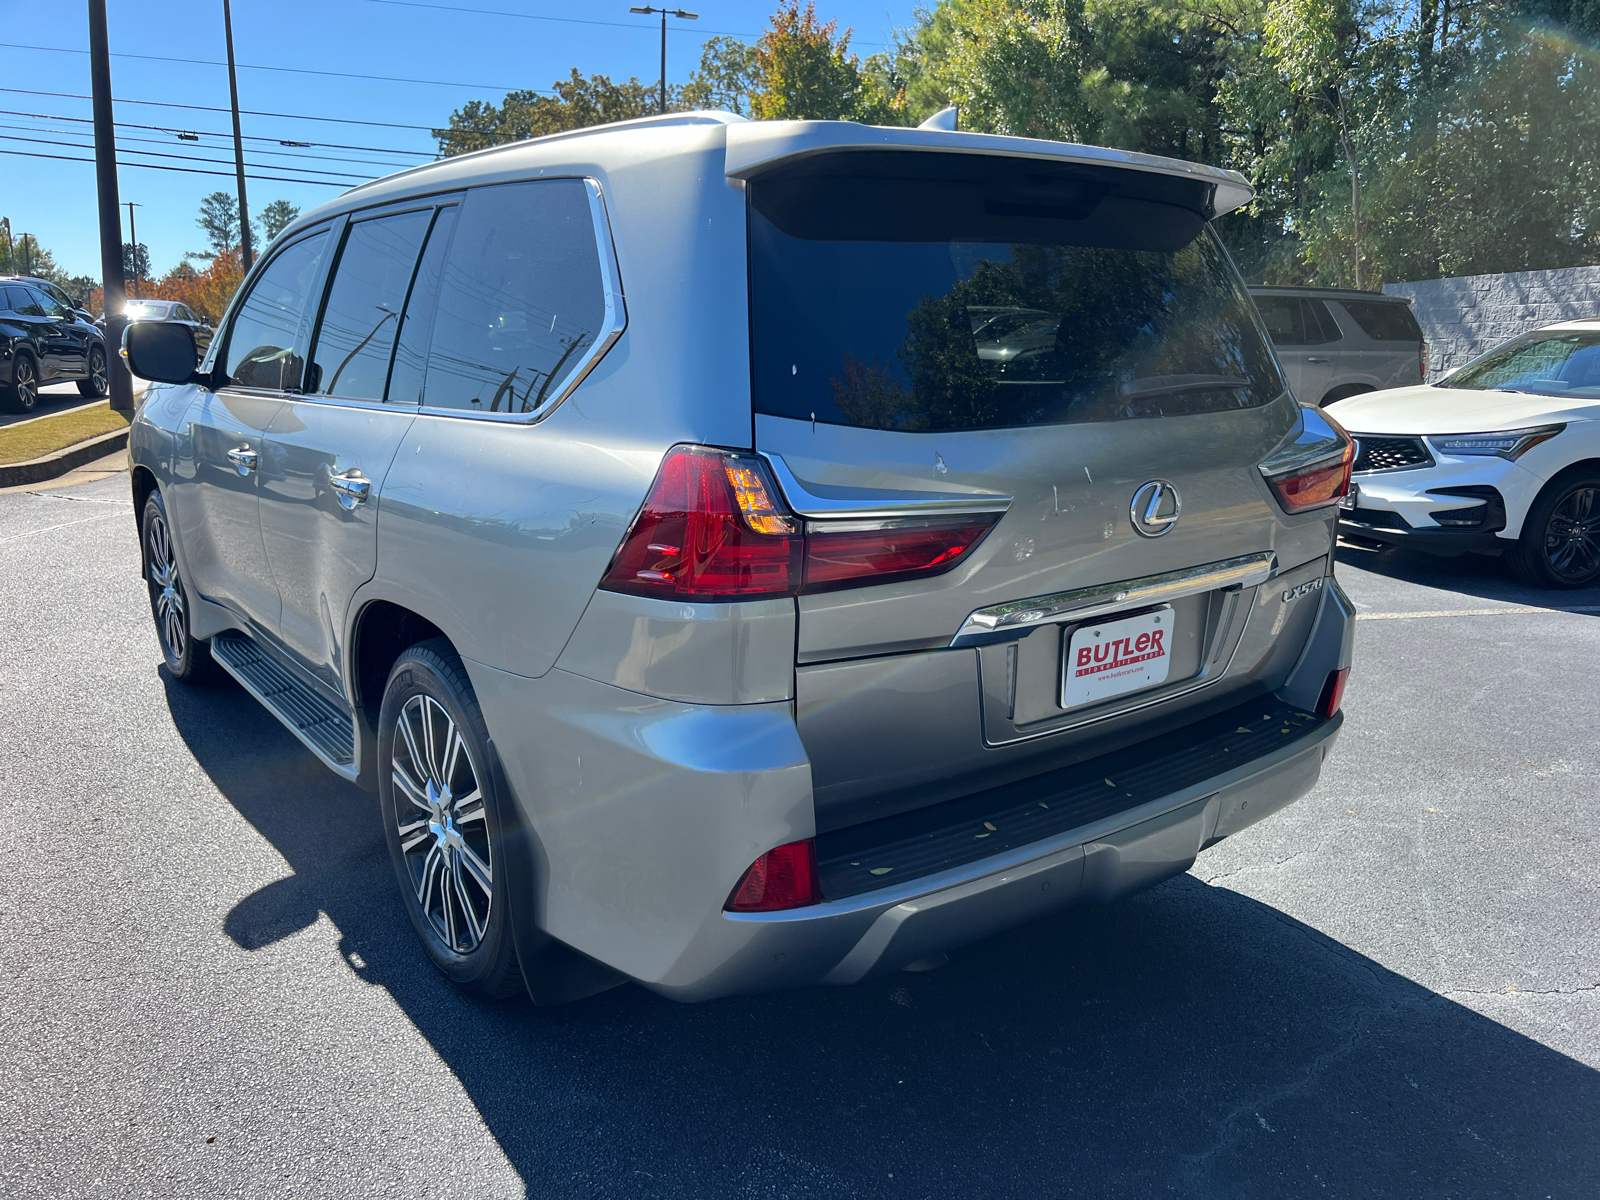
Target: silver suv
(750, 555)
(1334, 344)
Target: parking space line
(1517, 611)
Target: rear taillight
(1323, 483)
(715, 527)
(1332, 692)
(783, 877)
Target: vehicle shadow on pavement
(1190, 1040)
(1470, 574)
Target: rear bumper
(849, 939)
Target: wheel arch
(1344, 391)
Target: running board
(327, 729)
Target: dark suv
(44, 341)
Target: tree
(207, 291)
(578, 102)
(805, 67)
(219, 219)
(1315, 44)
(277, 216)
(728, 75)
(135, 261)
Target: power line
(249, 137)
(6, 137)
(182, 170)
(500, 12)
(148, 141)
(205, 62)
(249, 112)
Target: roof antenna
(944, 119)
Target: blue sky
(471, 55)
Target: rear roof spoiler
(760, 146)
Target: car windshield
(146, 310)
(942, 304)
(1545, 364)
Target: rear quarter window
(1384, 322)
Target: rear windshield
(1005, 297)
(1543, 364)
(1384, 322)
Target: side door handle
(352, 487)
(1315, 358)
(243, 458)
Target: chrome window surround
(1005, 622)
(616, 319)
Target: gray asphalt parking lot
(1392, 988)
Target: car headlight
(1508, 443)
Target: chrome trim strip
(861, 502)
(1002, 622)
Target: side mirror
(161, 352)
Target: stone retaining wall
(1465, 316)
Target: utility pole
(11, 247)
(114, 296)
(133, 236)
(665, 13)
(27, 257)
(238, 140)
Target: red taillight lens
(709, 529)
(1332, 693)
(1321, 485)
(783, 877)
(715, 527)
(843, 553)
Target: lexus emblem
(1155, 508)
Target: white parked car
(1501, 457)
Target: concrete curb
(37, 470)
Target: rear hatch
(939, 337)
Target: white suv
(1500, 457)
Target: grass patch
(18, 443)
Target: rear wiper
(1160, 385)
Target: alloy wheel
(97, 371)
(24, 383)
(442, 823)
(166, 593)
(1572, 535)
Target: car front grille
(1390, 453)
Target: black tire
(96, 384)
(442, 816)
(1560, 542)
(23, 393)
(187, 658)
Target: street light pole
(114, 297)
(238, 140)
(133, 236)
(665, 13)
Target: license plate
(1117, 656)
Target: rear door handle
(1315, 358)
(243, 458)
(352, 487)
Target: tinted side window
(351, 358)
(1384, 322)
(522, 299)
(260, 351)
(12, 298)
(1320, 325)
(416, 325)
(1282, 317)
(24, 301)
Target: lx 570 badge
(1305, 589)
